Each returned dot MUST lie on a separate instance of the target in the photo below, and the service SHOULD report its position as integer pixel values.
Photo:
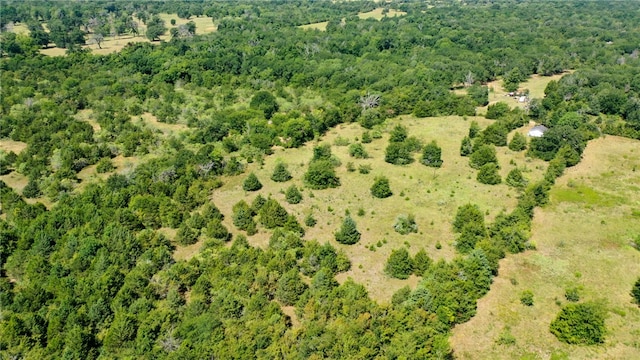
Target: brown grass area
(433, 196)
(378, 15)
(167, 129)
(86, 115)
(322, 26)
(578, 244)
(15, 181)
(9, 145)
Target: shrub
(321, 175)
(468, 213)
(398, 134)
(398, 153)
(366, 137)
(518, 142)
(104, 165)
(348, 233)
(516, 179)
(272, 214)
(380, 188)
(405, 224)
(215, 229)
(399, 264)
(526, 298)
(497, 110)
(265, 102)
(364, 169)
(474, 129)
(635, 292)
(466, 147)
(572, 294)
(421, 262)
(432, 155)
(483, 155)
(357, 151)
(580, 324)
(310, 221)
(251, 183)
(280, 173)
(293, 195)
(186, 235)
(31, 190)
(489, 174)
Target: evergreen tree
(471, 233)
(432, 155)
(489, 174)
(293, 195)
(251, 183)
(272, 214)
(421, 262)
(399, 264)
(186, 235)
(474, 129)
(635, 292)
(348, 233)
(518, 142)
(32, 190)
(580, 324)
(398, 153)
(357, 151)
(321, 175)
(280, 173)
(243, 218)
(467, 214)
(398, 134)
(216, 230)
(380, 188)
(516, 179)
(290, 287)
(466, 148)
(483, 155)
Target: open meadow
(583, 239)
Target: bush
(216, 230)
(272, 214)
(466, 147)
(321, 175)
(516, 179)
(310, 221)
(366, 137)
(380, 188)
(293, 195)
(580, 324)
(421, 262)
(348, 233)
(405, 224)
(251, 183)
(489, 174)
(398, 153)
(635, 292)
(186, 235)
(364, 169)
(468, 213)
(526, 298)
(572, 294)
(104, 165)
(518, 142)
(280, 173)
(265, 102)
(497, 110)
(399, 264)
(432, 155)
(31, 190)
(483, 155)
(357, 151)
(474, 129)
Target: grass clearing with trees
(582, 241)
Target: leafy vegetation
(580, 324)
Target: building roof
(538, 130)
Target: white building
(538, 131)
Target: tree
(489, 174)
(216, 230)
(357, 151)
(398, 134)
(518, 142)
(280, 173)
(421, 263)
(497, 110)
(251, 183)
(290, 287)
(321, 175)
(348, 233)
(469, 213)
(479, 94)
(398, 153)
(265, 102)
(432, 155)
(98, 38)
(516, 179)
(547, 146)
(243, 218)
(471, 234)
(155, 28)
(580, 324)
(380, 188)
(405, 224)
(466, 148)
(495, 134)
(293, 195)
(31, 190)
(635, 292)
(513, 79)
(272, 214)
(485, 154)
(474, 129)
(104, 165)
(186, 235)
(399, 264)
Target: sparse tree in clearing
(489, 174)
(483, 155)
(516, 179)
(398, 134)
(251, 183)
(518, 142)
(399, 264)
(582, 323)
(97, 39)
(321, 175)
(466, 214)
(293, 195)
(421, 263)
(380, 188)
(432, 155)
(272, 214)
(357, 151)
(348, 233)
(466, 148)
(280, 173)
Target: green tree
(474, 129)
(272, 214)
(471, 234)
(348, 233)
(399, 264)
(186, 235)
(635, 292)
(485, 154)
(290, 287)
(469, 213)
(155, 28)
(495, 134)
(488, 174)
(243, 217)
(526, 298)
(513, 79)
(421, 263)
(466, 147)
(518, 142)
(293, 195)
(405, 224)
(432, 155)
(380, 188)
(580, 324)
(516, 179)
(497, 110)
(479, 94)
(321, 175)
(398, 134)
(251, 183)
(265, 102)
(216, 230)
(280, 173)
(104, 165)
(31, 190)
(398, 153)
(357, 151)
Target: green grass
(583, 240)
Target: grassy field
(373, 14)
(583, 239)
(322, 26)
(9, 145)
(433, 196)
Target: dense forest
(90, 275)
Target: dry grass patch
(579, 243)
(378, 15)
(167, 129)
(433, 196)
(87, 116)
(322, 26)
(9, 145)
(15, 180)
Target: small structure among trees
(537, 131)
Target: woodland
(88, 267)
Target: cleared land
(433, 196)
(583, 239)
(9, 145)
(373, 14)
